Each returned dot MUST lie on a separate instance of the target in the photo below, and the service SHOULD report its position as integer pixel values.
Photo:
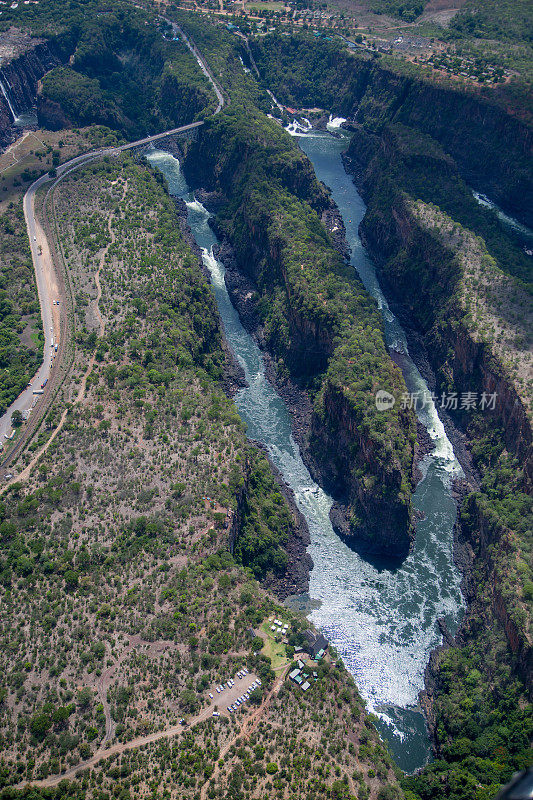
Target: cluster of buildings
(301, 676)
(279, 627)
(315, 644)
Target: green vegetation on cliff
(403, 159)
(266, 523)
(415, 147)
(124, 74)
(122, 69)
(483, 726)
(122, 606)
(476, 320)
(484, 130)
(318, 320)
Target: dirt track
(219, 701)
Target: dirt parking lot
(227, 696)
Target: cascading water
(382, 621)
(334, 123)
(4, 88)
(523, 233)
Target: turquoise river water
(381, 620)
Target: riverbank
(245, 298)
(364, 606)
(320, 324)
(295, 578)
(491, 630)
(233, 378)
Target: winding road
(37, 395)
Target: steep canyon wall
(23, 62)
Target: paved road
(45, 274)
(48, 293)
(203, 66)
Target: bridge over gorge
(35, 401)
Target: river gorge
(381, 619)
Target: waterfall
(3, 84)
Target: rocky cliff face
(470, 124)
(374, 509)
(459, 358)
(315, 320)
(374, 512)
(50, 114)
(23, 63)
(486, 535)
(474, 364)
(410, 253)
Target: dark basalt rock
(386, 530)
(27, 61)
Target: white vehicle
(216, 714)
(210, 695)
(218, 689)
(34, 238)
(237, 702)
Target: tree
(85, 697)
(71, 579)
(16, 418)
(40, 725)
